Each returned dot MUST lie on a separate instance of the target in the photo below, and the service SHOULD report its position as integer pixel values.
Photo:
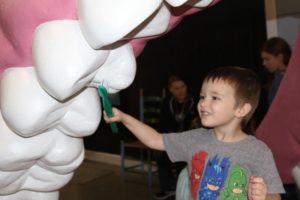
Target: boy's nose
(202, 103)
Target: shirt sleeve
(270, 173)
(177, 145)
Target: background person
(177, 112)
(275, 53)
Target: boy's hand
(257, 189)
(116, 118)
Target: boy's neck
(233, 135)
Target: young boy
(223, 161)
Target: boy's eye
(202, 97)
(215, 98)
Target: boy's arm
(143, 132)
(258, 190)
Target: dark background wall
(229, 33)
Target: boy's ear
(243, 110)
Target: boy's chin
(207, 125)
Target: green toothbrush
(107, 107)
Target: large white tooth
(65, 156)
(104, 22)
(17, 156)
(23, 168)
(16, 152)
(25, 105)
(36, 182)
(156, 24)
(118, 71)
(20, 89)
(200, 3)
(83, 115)
(64, 61)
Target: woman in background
(275, 53)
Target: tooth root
(104, 22)
(64, 61)
(118, 71)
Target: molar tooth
(19, 91)
(83, 115)
(104, 22)
(154, 25)
(118, 71)
(20, 88)
(64, 61)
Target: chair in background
(149, 109)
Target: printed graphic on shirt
(236, 185)
(198, 164)
(214, 178)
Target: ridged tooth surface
(104, 22)
(48, 167)
(119, 69)
(54, 180)
(83, 114)
(64, 61)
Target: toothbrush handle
(107, 107)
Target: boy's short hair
(245, 83)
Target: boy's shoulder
(257, 143)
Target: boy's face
(217, 104)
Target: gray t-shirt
(221, 170)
